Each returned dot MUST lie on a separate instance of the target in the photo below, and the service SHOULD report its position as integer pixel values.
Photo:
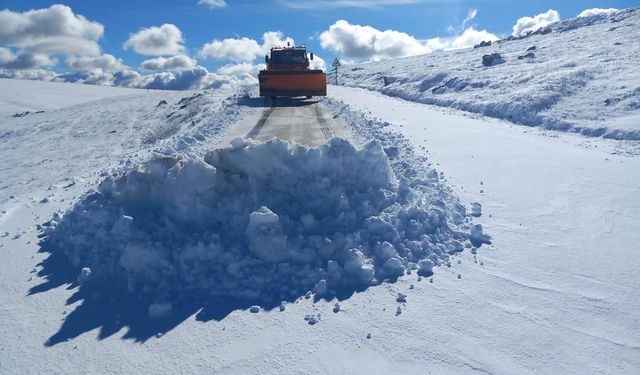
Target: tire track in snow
(325, 127)
(253, 133)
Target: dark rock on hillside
(492, 59)
(483, 44)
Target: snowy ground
(580, 77)
(19, 96)
(561, 283)
(556, 292)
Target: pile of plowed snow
(263, 221)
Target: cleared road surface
(304, 121)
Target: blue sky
(302, 20)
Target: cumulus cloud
(213, 3)
(192, 79)
(530, 24)
(93, 77)
(357, 42)
(317, 63)
(366, 43)
(239, 69)
(23, 60)
(52, 30)
(275, 38)
(596, 12)
(243, 49)
(157, 41)
(105, 62)
(32, 74)
(179, 62)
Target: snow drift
(261, 222)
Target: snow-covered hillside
(20, 96)
(578, 75)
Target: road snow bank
(262, 221)
(579, 75)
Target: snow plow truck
(287, 74)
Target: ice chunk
(476, 209)
(425, 267)
(237, 143)
(401, 298)
(85, 274)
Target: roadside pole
(336, 64)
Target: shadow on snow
(112, 308)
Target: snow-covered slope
(20, 96)
(92, 136)
(578, 75)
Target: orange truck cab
(288, 74)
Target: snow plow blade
(292, 83)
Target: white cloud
(530, 24)
(243, 49)
(274, 38)
(317, 63)
(179, 62)
(213, 3)
(34, 74)
(470, 16)
(596, 12)
(196, 78)
(157, 41)
(106, 62)
(90, 77)
(357, 42)
(366, 43)
(23, 60)
(239, 69)
(52, 30)
(192, 79)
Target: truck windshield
(288, 57)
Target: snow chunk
(476, 209)
(477, 237)
(402, 298)
(85, 274)
(425, 267)
(265, 236)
